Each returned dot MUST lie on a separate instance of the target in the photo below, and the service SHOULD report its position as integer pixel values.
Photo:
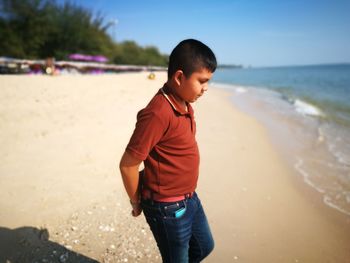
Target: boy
(164, 139)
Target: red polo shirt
(164, 138)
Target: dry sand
(62, 199)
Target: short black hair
(191, 55)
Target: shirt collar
(166, 91)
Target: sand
(62, 198)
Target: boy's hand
(136, 209)
(129, 168)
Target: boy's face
(191, 88)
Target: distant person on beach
(49, 66)
(164, 139)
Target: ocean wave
(306, 108)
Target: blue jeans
(184, 237)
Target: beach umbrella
(100, 58)
(82, 57)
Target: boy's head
(189, 56)
(191, 66)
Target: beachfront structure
(26, 66)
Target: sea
(306, 110)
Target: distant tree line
(36, 29)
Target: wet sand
(61, 195)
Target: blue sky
(257, 33)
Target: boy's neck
(173, 91)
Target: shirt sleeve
(149, 129)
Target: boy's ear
(178, 75)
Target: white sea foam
(235, 88)
(337, 144)
(241, 90)
(328, 201)
(341, 156)
(306, 108)
(306, 176)
(321, 136)
(223, 85)
(348, 197)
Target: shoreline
(300, 139)
(281, 201)
(62, 139)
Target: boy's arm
(129, 169)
